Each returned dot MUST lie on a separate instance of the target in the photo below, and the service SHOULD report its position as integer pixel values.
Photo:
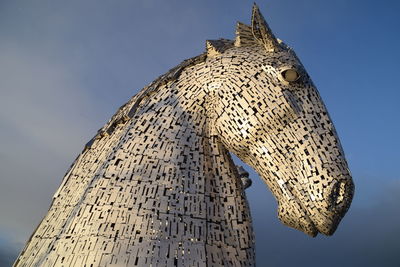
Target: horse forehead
(276, 59)
(282, 58)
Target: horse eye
(290, 75)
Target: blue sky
(66, 66)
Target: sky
(66, 66)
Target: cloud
(368, 236)
(65, 67)
(40, 100)
(8, 250)
(44, 121)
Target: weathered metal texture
(157, 186)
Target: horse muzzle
(307, 218)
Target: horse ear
(244, 35)
(217, 47)
(261, 31)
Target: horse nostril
(338, 195)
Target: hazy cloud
(367, 236)
(66, 66)
(45, 119)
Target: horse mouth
(309, 227)
(297, 214)
(297, 217)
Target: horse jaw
(293, 213)
(294, 216)
(300, 207)
(297, 209)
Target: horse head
(267, 111)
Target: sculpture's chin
(297, 218)
(293, 215)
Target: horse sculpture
(157, 186)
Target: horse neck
(174, 131)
